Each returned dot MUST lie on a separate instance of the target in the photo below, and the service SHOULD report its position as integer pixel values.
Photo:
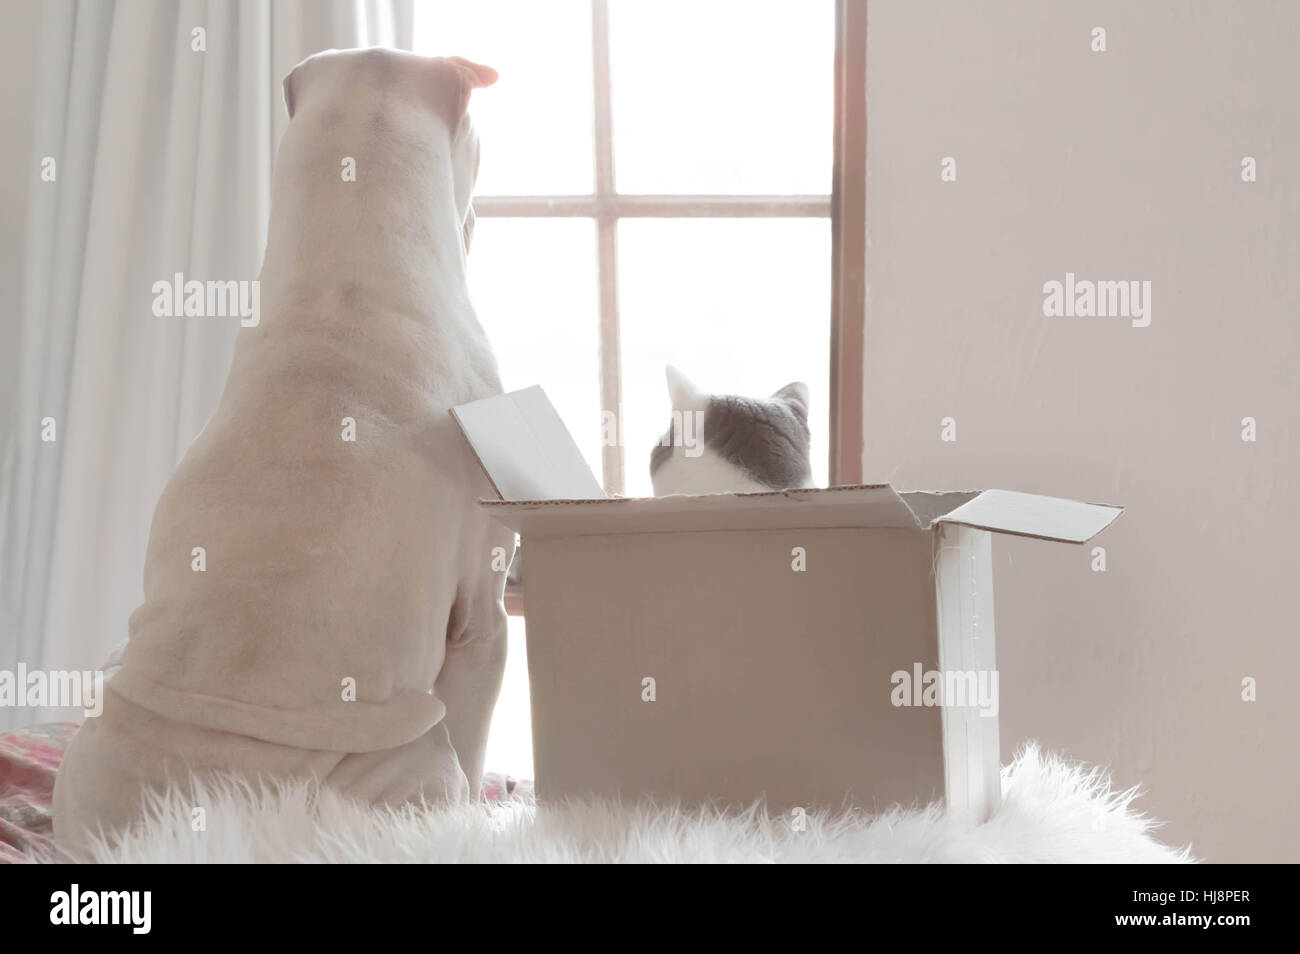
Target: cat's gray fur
(746, 443)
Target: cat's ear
(796, 395)
(683, 392)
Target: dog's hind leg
(471, 675)
(425, 768)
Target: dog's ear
(293, 83)
(288, 92)
(476, 74)
(467, 230)
(469, 77)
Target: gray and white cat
(723, 443)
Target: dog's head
(433, 90)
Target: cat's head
(723, 443)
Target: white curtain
(162, 158)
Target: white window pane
(533, 283)
(536, 122)
(510, 740)
(741, 305)
(723, 96)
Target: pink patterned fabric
(30, 757)
(28, 760)
(506, 788)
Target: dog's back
(317, 563)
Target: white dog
(342, 618)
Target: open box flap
(1031, 515)
(929, 505)
(547, 489)
(874, 505)
(524, 447)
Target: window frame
(844, 206)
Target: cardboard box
(728, 647)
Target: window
(656, 187)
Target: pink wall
(1116, 165)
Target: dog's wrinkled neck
(365, 195)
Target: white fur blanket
(1052, 811)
